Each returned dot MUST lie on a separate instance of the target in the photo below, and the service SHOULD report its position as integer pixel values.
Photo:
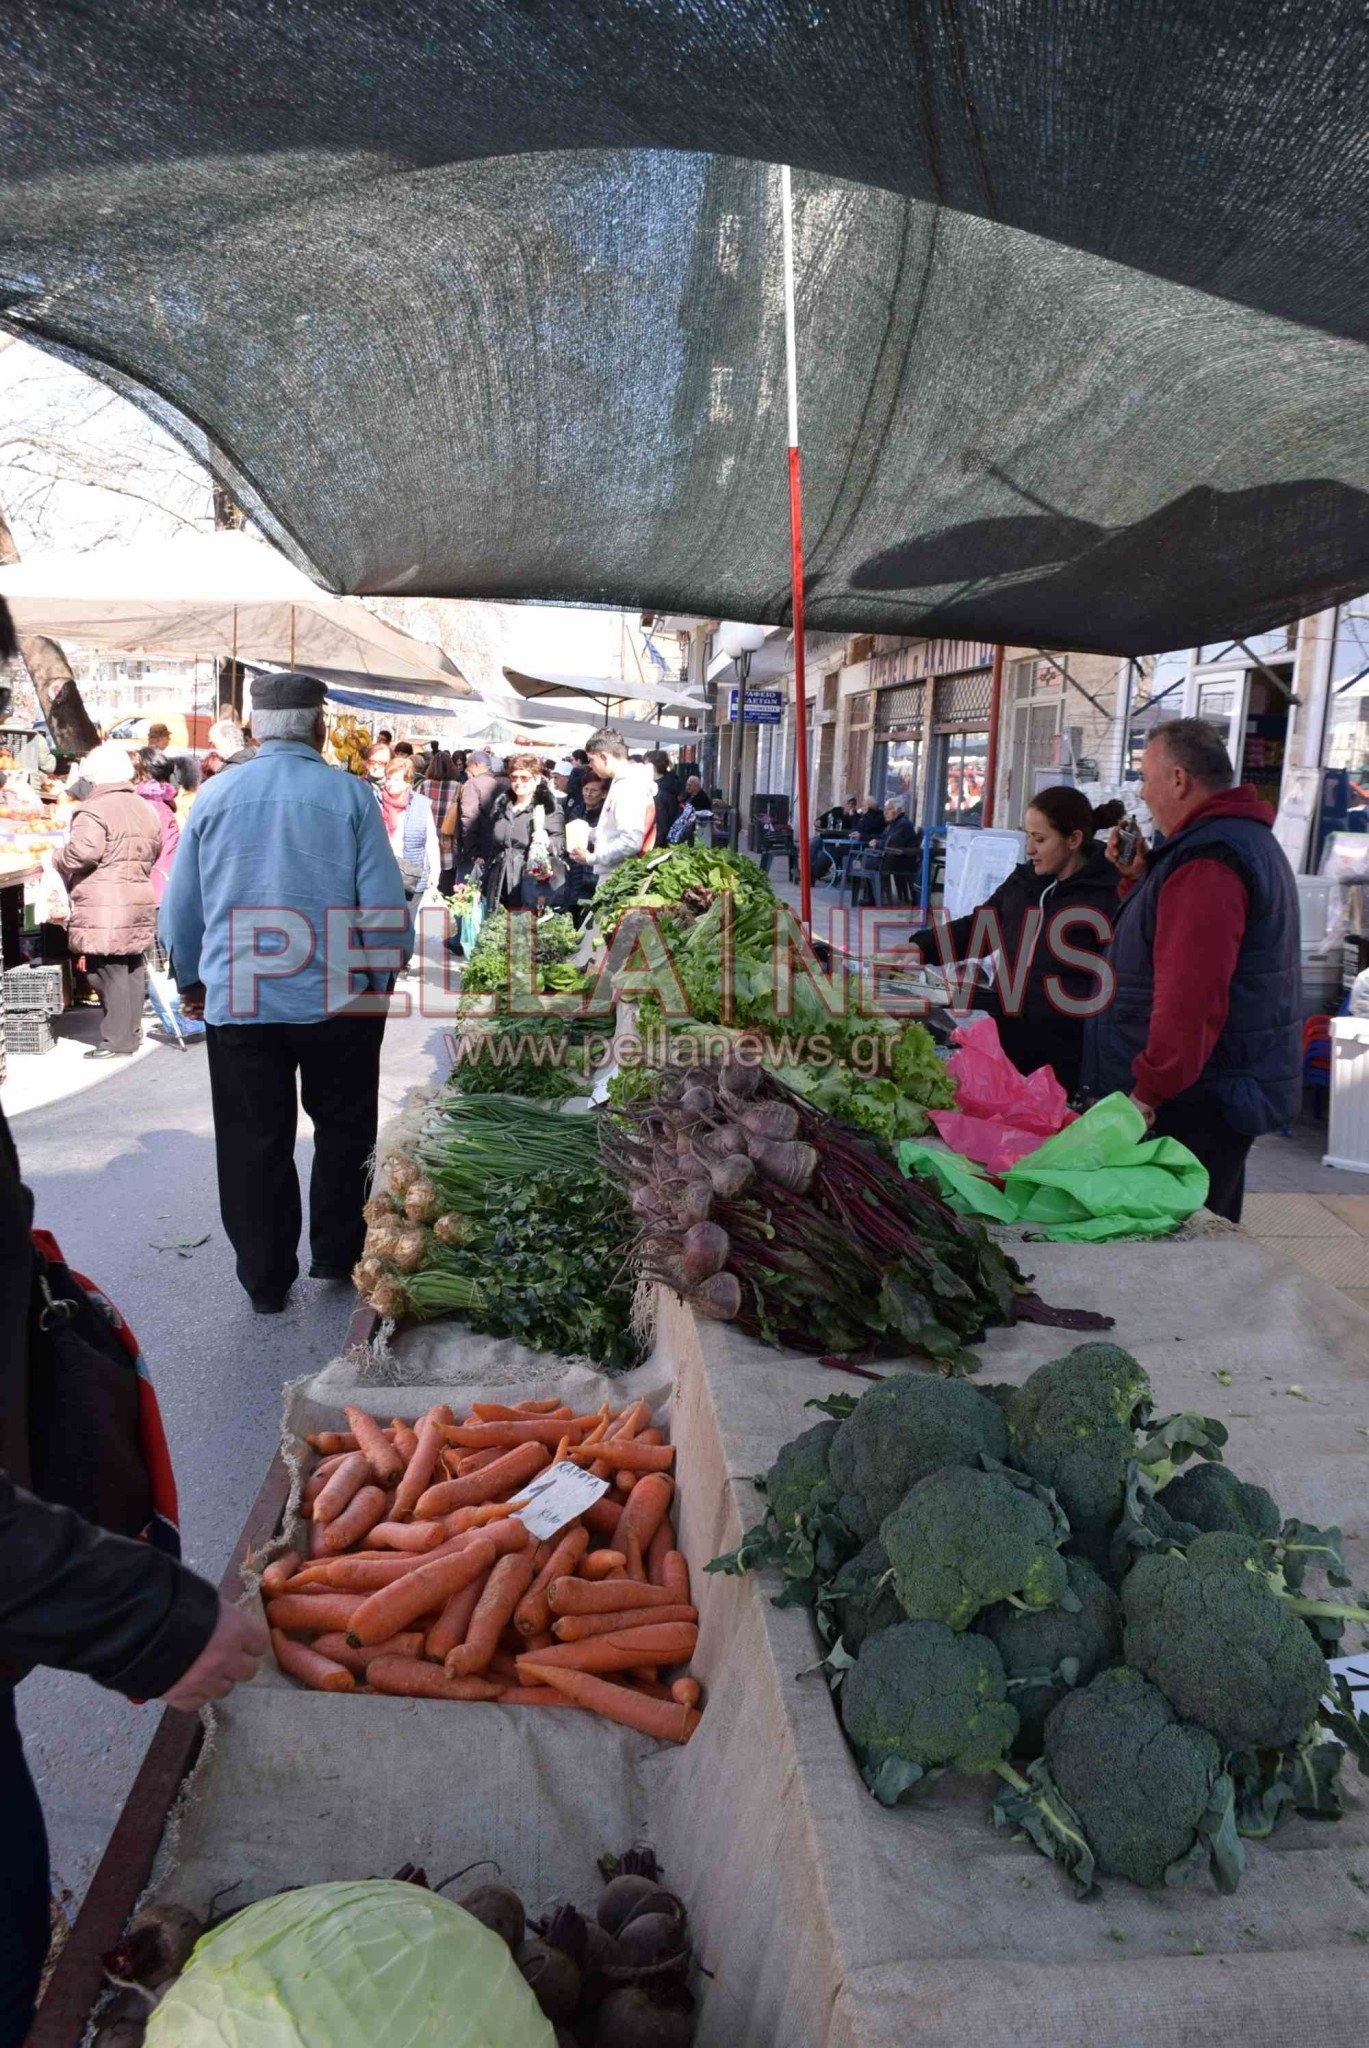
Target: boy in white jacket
(627, 823)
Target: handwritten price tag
(556, 1497)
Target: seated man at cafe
(843, 820)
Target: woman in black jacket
(1050, 924)
(527, 840)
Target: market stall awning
(222, 594)
(604, 690)
(479, 300)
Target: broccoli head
(1072, 1427)
(1211, 1497)
(961, 1540)
(1149, 1790)
(928, 1697)
(1053, 1649)
(1214, 1631)
(799, 1476)
(909, 1425)
(861, 1599)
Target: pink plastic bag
(1000, 1115)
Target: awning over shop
(478, 299)
(604, 690)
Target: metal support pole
(991, 752)
(796, 553)
(742, 664)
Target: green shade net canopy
(485, 299)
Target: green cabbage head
(369, 1965)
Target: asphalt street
(120, 1173)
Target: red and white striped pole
(796, 552)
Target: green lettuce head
(368, 1965)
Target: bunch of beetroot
(617, 1980)
(762, 1211)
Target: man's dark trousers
(25, 1920)
(1219, 1145)
(252, 1077)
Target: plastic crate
(38, 989)
(28, 1032)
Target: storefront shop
(958, 753)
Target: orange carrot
(487, 1515)
(676, 1579)
(319, 1673)
(610, 1596)
(603, 1564)
(659, 1548)
(279, 1573)
(379, 1453)
(623, 1482)
(459, 1463)
(672, 1723)
(317, 1532)
(351, 1574)
(405, 1536)
(529, 1429)
(626, 1649)
(632, 1550)
(578, 1628)
(413, 1679)
(313, 1612)
(451, 1625)
(404, 1438)
(351, 1475)
(647, 1507)
(418, 1473)
(503, 1664)
(602, 1517)
(328, 1442)
(532, 1613)
(526, 1411)
(335, 1645)
(687, 1691)
(358, 1518)
(509, 1581)
(494, 1483)
(533, 1696)
(423, 1591)
(650, 1436)
(631, 1457)
(544, 1641)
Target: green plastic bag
(1099, 1178)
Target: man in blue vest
(286, 922)
(1204, 1031)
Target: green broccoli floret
(1052, 1650)
(1211, 1497)
(1150, 1791)
(799, 1475)
(1217, 1632)
(860, 1599)
(961, 1539)
(909, 1425)
(929, 1698)
(1073, 1427)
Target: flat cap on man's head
(293, 691)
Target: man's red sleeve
(1199, 925)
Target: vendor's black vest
(1253, 1072)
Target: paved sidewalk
(1328, 1234)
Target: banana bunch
(349, 742)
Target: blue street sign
(763, 707)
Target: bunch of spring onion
(761, 1211)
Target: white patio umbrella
(221, 594)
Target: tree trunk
(70, 726)
(229, 517)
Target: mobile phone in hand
(1128, 842)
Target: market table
(825, 1920)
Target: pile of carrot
(420, 1579)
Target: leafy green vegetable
(365, 1965)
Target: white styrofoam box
(1347, 1142)
(1314, 910)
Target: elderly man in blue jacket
(285, 920)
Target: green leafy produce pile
(1036, 1582)
(487, 970)
(763, 1212)
(504, 1220)
(692, 875)
(538, 1058)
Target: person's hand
(580, 854)
(1146, 1111)
(1133, 869)
(193, 1000)
(229, 1658)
